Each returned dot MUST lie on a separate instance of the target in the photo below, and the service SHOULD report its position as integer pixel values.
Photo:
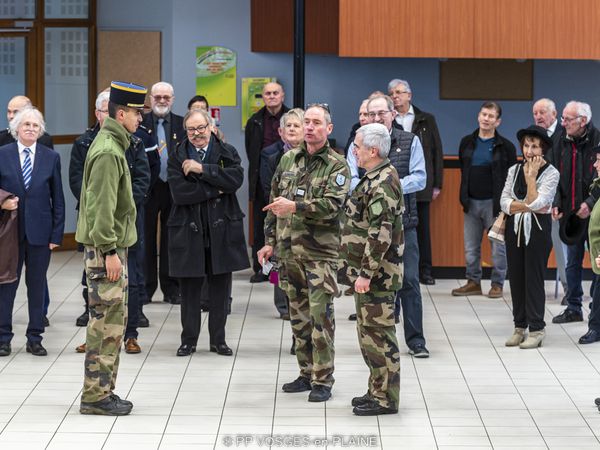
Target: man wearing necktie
(206, 231)
(30, 171)
(168, 128)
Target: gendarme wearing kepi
(106, 228)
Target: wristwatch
(111, 252)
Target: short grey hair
(376, 135)
(103, 96)
(322, 108)
(396, 81)
(162, 84)
(549, 103)
(296, 113)
(583, 109)
(22, 115)
(387, 98)
(200, 112)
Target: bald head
(544, 112)
(273, 97)
(15, 105)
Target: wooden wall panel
(406, 28)
(272, 26)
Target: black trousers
(158, 206)
(258, 233)
(424, 238)
(526, 267)
(191, 314)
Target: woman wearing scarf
(527, 200)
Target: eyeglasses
(324, 106)
(568, 119)
(158, 98)
(372, 115)
(103, 111)
(199, 129)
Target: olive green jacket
(318, 184)
(373, 239)
(107, 210)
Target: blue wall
(341, 82)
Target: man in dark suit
(16, 104)
(168, 129)
(545, 116)
(261, 131)
(423, 125)
(31, 171)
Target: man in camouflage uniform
(106, 228)
(372, 247)
(303, 223)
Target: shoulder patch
(340, 179)
(376, 208)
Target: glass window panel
(17, 9)
(12, 72)
(66, 9)
(66, 80)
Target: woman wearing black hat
(527, 200)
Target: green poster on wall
(252, 96)
(216, 75)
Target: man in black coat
(140, 181)
(206, 231)
(261, 131)
(167, 128)
(485, 157)
(578, 147)
(545, 116)
(423, 125)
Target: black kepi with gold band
(128, 94)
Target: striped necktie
(27, 168)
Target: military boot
(300, 384)
(109, 406)
(319, 393)
(83, 319)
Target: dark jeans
(574, 270)
(159, 205)
(36, 259)
(424, 238)
(408, 299)
(258, 236)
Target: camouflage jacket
(373, 238)
(319, 185)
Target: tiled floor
(472, 393)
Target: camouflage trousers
(108, 316)
(310, 287)
(379, 345)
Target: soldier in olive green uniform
(303, 223)
(372, 247)
(106, 228)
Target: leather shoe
(132, 346)
(427, 279)
(36, 349)
(363, 399)
(83, 319)
(143, 321)
(300, 384)
(590, 337)
(319, 393)
(5, 348)
(80, 348)
(352, 317)
(46, 322)
(373, 408)
(109, 406)
(568, 316)
(186, 350)
(258, 277)
(221, 349)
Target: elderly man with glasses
(167, 127)
(578, 147)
